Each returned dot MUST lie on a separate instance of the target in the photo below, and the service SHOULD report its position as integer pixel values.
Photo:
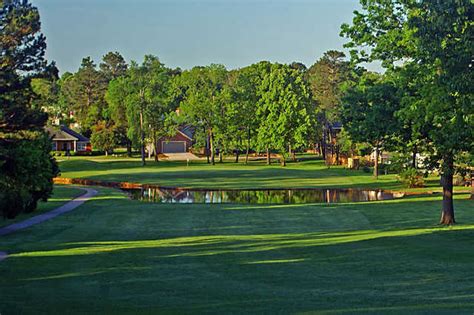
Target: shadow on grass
(224, 244)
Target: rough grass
(114, 255)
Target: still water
(259, 196)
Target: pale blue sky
(186, 33)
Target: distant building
(65, 139)
(181, 142)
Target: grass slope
(308, 174)
(114, 255)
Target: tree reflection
(259, 196)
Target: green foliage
(146, 90)
(412, 178)
(204, 101)
(427, 46)
(326, 79)
(103, 137)
(284, 110)
(26, 167)
(84, 91)
(113, 66)
(369, 111)
(27, 172)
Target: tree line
(422, 104)
(265, 107)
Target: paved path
(69, 206)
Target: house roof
(187, 131)
(65, 134)
(57, 134)
(336, 125)
(74, 134)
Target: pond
(259, 196)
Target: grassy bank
(61, 195)
(114, 255)
(305, 174)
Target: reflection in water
(281, 196)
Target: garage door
(173, 147)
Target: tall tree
(434, 40)
(113, 65)
(141, 101)
(204, 99)
(368, 104)
(26, 167)
(116, 99)
(283, 108)
(85, 92)
(326, 79)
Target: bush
(412, 178)
(27, 174)
(461, 180)
(366, 169)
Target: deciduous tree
(434, 40)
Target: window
(81, 146)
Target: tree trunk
(129, 148)
(292, 153)
(337, 155)
(236, 156)
(248, 146)
(211, 144)
(322, 149)
(106, 153)
(142, 136)
(472, 184)
(206, 149)
(376, 163)
(413, 158)
(221, 156)
(282, 160)
(447, 213)
(269, 160)
(155, 146)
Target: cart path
(68, 206)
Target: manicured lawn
(61, 195)
(309, 173)
(114, 255)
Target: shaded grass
(114, 255)
(61, 195)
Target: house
(65, 139)
(181, 142)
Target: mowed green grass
(306, 174)
(119, 256)
(61, 195)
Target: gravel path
(69, 206)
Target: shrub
(460, 180)
(412, 178)
(366, 169)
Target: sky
(188, 33)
